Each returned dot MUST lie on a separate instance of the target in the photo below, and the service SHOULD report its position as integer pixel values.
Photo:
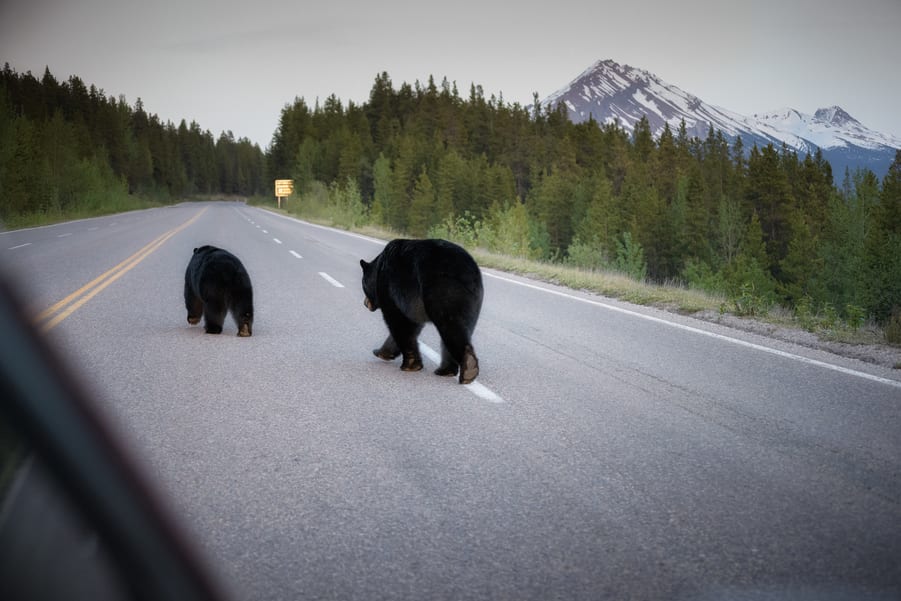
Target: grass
(36, 219)
(605, 283)
(670, 297)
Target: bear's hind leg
(470, 365)
(194, 305)
(243, 314)
(457, 351)
(245, 324)
(213, 316)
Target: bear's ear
(363, 264)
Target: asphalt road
(607, 451)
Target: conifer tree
(422, 206)
(883, 248)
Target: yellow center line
(63, 308)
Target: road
(608, 452)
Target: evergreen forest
(762, 225)
(69, 150)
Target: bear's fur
(417, 281)
(216, 283)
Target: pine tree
(422, 206)
(768, 195)
(883, 247)
(748, 275)
(382, 202)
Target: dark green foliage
(66, 149)
(761, 225)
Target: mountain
(608, 91)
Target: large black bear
(215, 283)
(416, 281)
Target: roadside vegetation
(614, 281)
(675, 221)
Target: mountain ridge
(608, 91)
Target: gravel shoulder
(885, 355)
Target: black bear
(416, 281)
(215, 283)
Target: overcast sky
(234, 65)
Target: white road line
(265, 231)
(19, 246)
(276, 240)
(91, 229)
(476, 388)
(331, 280)
(64, 235)
(738, 341)
(295, 254)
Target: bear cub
(417, 281)
(216, 283)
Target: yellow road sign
(284, 187)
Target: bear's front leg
(389, 350)
(403, 339)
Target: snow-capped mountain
(608, 91)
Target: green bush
(630, 258)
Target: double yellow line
(51, 316)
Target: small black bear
(416, 281)
(215, 283)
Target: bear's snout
(369, 304)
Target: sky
(233, 66)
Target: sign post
(283, 189)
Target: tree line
(763, 225)
(65, 146)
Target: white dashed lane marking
(476, 388)
(276, 240)
(19, 246)
(481, 391)
(331, 280)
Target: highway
(606, 450)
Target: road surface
(606, 451)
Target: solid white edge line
(331, 280)
(738, 341)
(765, 349)
(295, 254)
(477, 388)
